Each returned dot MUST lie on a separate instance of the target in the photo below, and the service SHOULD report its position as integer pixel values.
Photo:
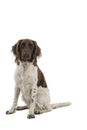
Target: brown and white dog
(30, 81)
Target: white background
(60, 29)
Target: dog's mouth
(26, 57)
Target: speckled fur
(30, 81)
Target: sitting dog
(30, 81)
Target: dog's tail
(57, 105)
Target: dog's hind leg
(21, 107)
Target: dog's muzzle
(26, 56)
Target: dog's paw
(37, 112)
(10, 112)
(30, 116)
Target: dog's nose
(26, 56)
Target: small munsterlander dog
(30, 81)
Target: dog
(30, 81)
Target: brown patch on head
(26, 50)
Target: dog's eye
(30, 46)
(22, 45)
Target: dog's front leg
(16, 95)
(32, 102)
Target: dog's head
(26, 50)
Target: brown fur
(18, 52)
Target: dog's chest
(26, 77)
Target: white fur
(36, 98)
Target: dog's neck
(26, 64)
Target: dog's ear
(14, 48)
(36, 52)
(16, 51)
(37, 49)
